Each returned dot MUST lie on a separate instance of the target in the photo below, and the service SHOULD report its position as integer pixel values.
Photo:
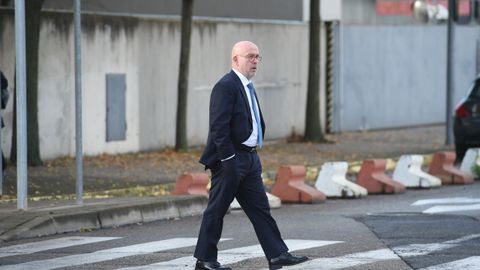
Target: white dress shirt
(252, 140)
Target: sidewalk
(134, 188)
(53, 217)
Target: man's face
(246, 60)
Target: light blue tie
(255, 113)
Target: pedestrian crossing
(50, 244)
(104, 255)
(227, 256)
(349, 260)
(231, 256)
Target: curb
(104, 215)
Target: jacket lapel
(241, 88)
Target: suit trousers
(238, 178)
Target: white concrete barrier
(471, 158)
(408, 171)
(273, 201)
(333, 182)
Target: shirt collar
(242, 77)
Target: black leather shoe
(201, 265)
(285, 259)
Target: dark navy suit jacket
(230, 120)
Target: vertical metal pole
(449, 110)
(21, 104)
(341, 80)
(78, 101)
(1, 149)
(477, 59)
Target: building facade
(378, 70)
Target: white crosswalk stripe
(349, 260)
(39, 246)
(443, 205)
(425, 249)
(456, 200)
(470, 263)
(451, 208)
(104, 255)
(231, 256)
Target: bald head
(245, 57)
(242, 46)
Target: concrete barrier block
(408, 171)
(443, 167)
(372, 177)
(191, 184)
(273, 201)
(333, 182)
(472, 157)
(290, 186)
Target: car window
(476, 89)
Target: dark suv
(466, 127)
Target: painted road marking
(457, 200)
(39, 246)
(424, 249)
(451, 208)
(470, 263)
(349, 260)
(231, 256)
(455, 204)
(104, 255)
(361, 258)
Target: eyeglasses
(252, 57)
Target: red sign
(391, 7)
(404, 7)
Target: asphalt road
(434, 229)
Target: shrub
(476, 169)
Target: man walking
(236, 129)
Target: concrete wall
(253, 9)
(147, 51)
(395, 76)
(352, 12)
(390, 76)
